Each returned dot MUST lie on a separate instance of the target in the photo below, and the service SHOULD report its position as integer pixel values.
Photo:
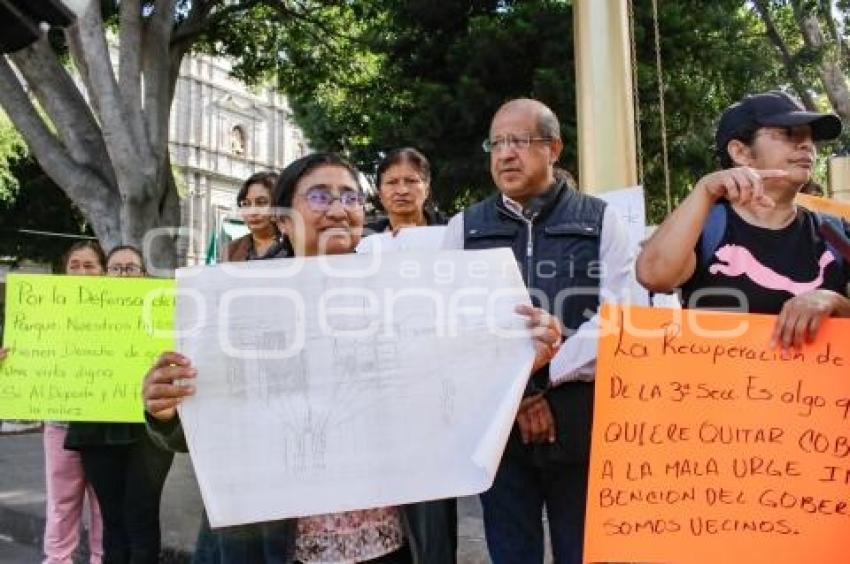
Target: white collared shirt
(576, 359)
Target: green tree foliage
(30, 201)
(811, 41)
(428, 73)
(12, 148)
(712, 54)
(39, 223)
(425, 73)
(365, 76)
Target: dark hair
(404, 155)
(130, 248)
(284, 190)
(265, 178)
(745, 135)
(90, 244)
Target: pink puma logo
(740, 261)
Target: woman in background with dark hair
(404, 188)
(126, 469)
(67, 486)
(265, 239)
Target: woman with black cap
(739, 240)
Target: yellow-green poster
(81, 345)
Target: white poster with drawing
(329, 384)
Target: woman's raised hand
(166, 384)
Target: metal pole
(604, 95)
(839, 178)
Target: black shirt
(759, 269)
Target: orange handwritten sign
(708, 446)
(816, 203)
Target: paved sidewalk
(22, 501)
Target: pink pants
(66, 490)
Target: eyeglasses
(508, 141)
(124, 269)
(320, 200)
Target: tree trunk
(103, 138)
(763, 9)
(107, 149)
(87, 188)
(832, 76)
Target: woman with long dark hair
(264, 239)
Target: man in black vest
(572, 251)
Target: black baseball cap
(772, 109)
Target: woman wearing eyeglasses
(323, 193)
(404, 188)
(265, 239)
(123, 465)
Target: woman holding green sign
(126, 469)
(67, 486)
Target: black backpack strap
(712, 233)
(834, 231)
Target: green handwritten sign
(81, 345)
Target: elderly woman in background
(404, 188)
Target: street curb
(21, 527)
(27, 529)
